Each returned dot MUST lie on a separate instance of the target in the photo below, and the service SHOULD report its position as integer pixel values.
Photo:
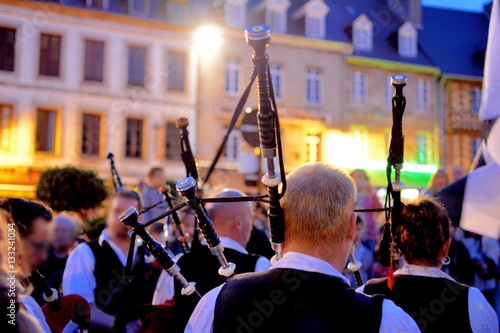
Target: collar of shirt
(228, 242)
(304, 262)
(122, 256)
(417, 270)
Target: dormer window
(407, 40)
(274, 14)
(313, 13)
(235, 13)
(362, 33)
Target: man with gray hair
(304, 291)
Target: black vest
(288, 300)
(119, 294)
(202, 267)
(436, 304)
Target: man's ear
(351, 230)
(238, 222)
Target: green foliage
(71, 189)
(94, 227)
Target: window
(133, 139)
(136, 65)
(176, 71)
(407, 40)
(233, 69)
(421, 148)
(50, 54)
(7, 49)
(173, 148)
(277, 80)
(475, 145)
(315, 27)
(389, 92)
(91, 134)
(5, 125)
(358, 95)
(313, 147)
(276, 20)
(94, 60)
(362, 33)
(313, 86)
(233, 146)
(97, 4)
(423, 98)
(140, 7)
(476, 100)
(45, 130)
(235, 13)
(176, 12)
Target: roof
(455, 40)
(339, 27)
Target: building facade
(79, 82)
(83, 77)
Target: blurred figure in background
(259, 242)
(484, 253)
(438, 181)
(362, 254)
(96, 271)
(367, 198)
(63, 238)
(155, 184)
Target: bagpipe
(59, 311)
(117, 182)
(258, 37)
(388, 248)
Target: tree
(71, 189)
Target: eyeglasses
(39, 246)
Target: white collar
(417, 270)
(304, 262)
(228, 242)
(122, 256)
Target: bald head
(232, 219)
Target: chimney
(407, 10)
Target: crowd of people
(446, 281)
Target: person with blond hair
(305, 290)
(433, 298)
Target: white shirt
(78, 277)
(35, 311)
(165, 288)
(481, 315)
(394, 319)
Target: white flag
(490, 101)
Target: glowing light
(208, 39)
(248, 110)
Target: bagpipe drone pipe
(59, 311)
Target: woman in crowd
(438, 181)
(434, 299)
